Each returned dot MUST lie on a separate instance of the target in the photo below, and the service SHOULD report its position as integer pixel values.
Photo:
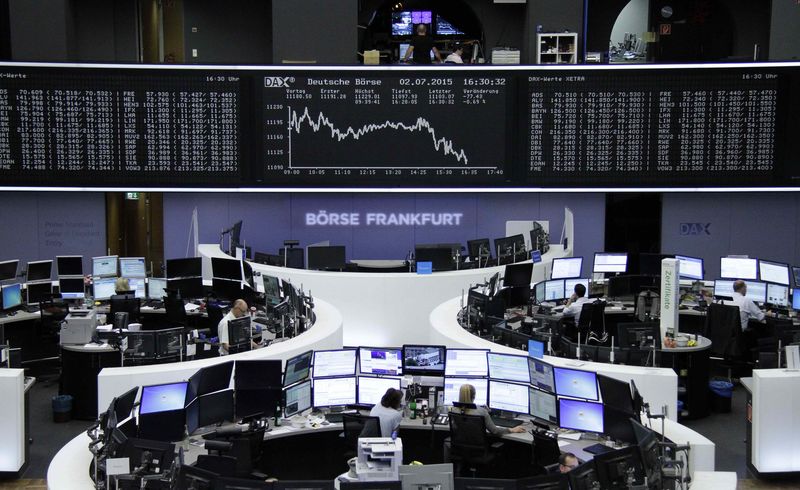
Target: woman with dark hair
(388, 411)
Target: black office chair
(592, 321)
(176, 311)
(127, 303)
(544, 452)
(214, 312)
(221, 465)
(51, 313)
(724, 329)
(647, 306)
(469, 443)
(356, 426)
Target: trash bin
(721, 394)
(62, 408)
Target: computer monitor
(508, 367)
(796, 275)
(610, 262)
(333, 392)
(466, 362)
(539, 292)
(402, 24)
(440, 256)
(541, 374)
(453, 385)
(569, 286)
(549, 481)
(258, 374)
(156, 288)
(584, 477)
(617, 425)
(209, 379)
(796, 299)
(543, 405)
(757, 291)
(141, 345)
(189, 267)
(8, 269)
(123, 404)
(517, 275)
(161, 454)
(239, 330)
(226, 268)
(39, 291)
(566, 268)
(41, 270)
(339, 362)
(580, 415)
(424, 360)
(104, 287)
(330, 258)
(12, 296)
(213, 408)
(272, 290)
(535, 348)
(775, 272)
(138, 286)
(636, 335)
(493, 286)
(380, 360)
(189, 287)
(169, 342)
(510, 397)
(738, 268)
(163, 397)
(132, 267)
(554, 290)
(227, 289)
(297, 398)
(575, 383)
(264, 402)
(371, 389)
(509, 246)
(104, 266)
(69, 265)
(614, 468)
(616, 393)
(71, 287)
(690, 267)
(445, 28)
(298, 368)
(778, 295)
(479, 249)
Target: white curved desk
(389, 308)
(325, 334)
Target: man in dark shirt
(421, 46)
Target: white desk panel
(12, 421)
(776, 420)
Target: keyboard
(154, 303)
(598, 449)
(505, 422)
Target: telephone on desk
(441, 419)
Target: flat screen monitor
(610, 262)
(39, 291)
(796, 299)
(453, 385)
(209, 379)
(508, 367)
(424, 360)
(509, 246)
(636, 335)
(615, 468)
(227, 289)
(104, 266)
(380, 360)
(616, 393)
(69, 265)
(511, 397)
(297, 398)
(543, 405)
(774, 272)
(272, 290)
(239, 330)
(226, 268)
(12, 296)
(371, 390)
(132, 267)
(156, 287)
(138, 286)
(539, 291)
(8, 269)
(554, 290)
(103, 287)
(71, 287)
(738, 268)
(298, 368)
(442, 256)
(169, 342)
(333, 392)
(189, 267)
(213, 408)
(403, 22)
(41, 270)
(123, 404)
(580, 415)
(617, 425)
(575, 383)
(189, 287)
(466, 362)
(541, 374)
(445, 28)
(341, 362)
(566, 268)
(517, 275)
(535, 349)
(479, 249)
(569, 286)
(163, 397)
(257, 374)
(690, 267)
(326, 258)
(262, 401)
(778, 295)
(796, 274)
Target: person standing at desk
(238, 310)
(575, 303)
(388, 411)
(421, 46)
(466, 394)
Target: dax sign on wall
(695, 229)
(332, 218)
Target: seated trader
(388, 411)
(421, 46)
(467, 395)
(122, 286)
(455, 56)
(238, 310)
(567, 462)
(575, 303)
(747, 308)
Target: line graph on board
(384, 127)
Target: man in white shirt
(575, 303)
(455, 56)
(747, 309)
(238, 310)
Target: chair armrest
(497, 445)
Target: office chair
(356, 426)
(724, 329)
(647, 306)
(176, 311)
(51, 313)
(544, 452)
(469, 442)
(592, 323)
(221, 465)
(126, 303)
(214, 312)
